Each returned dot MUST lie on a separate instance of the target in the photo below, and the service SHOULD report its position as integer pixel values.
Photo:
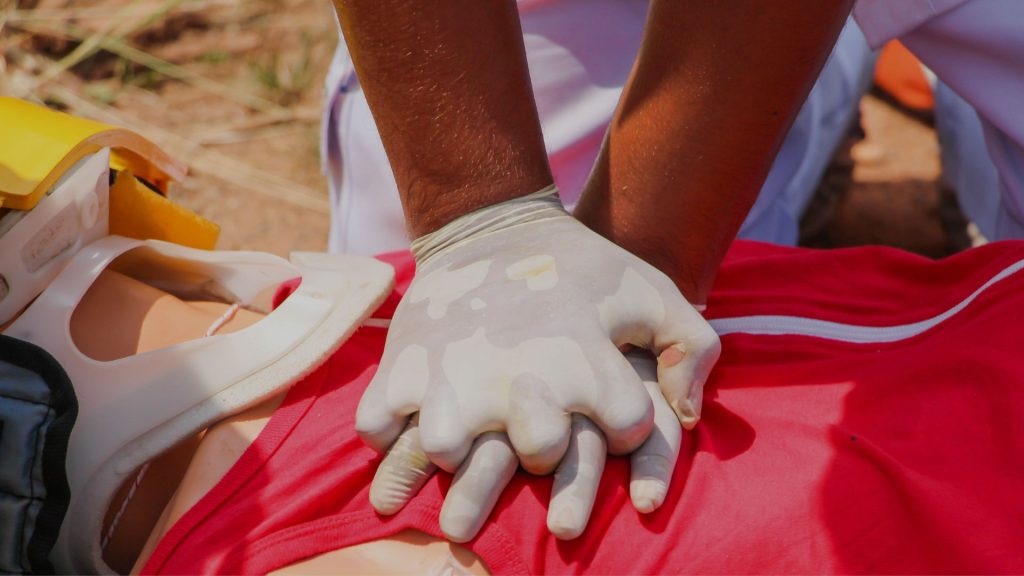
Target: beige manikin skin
(134, 318)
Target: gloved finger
(477, 485)
(537, 426)
(576, 480)
(687, 349)
(445, 433)
(402, 472)
(622, 409)
(376, 423)
(652, 464)
(396, 391)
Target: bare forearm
(448, 87)
(715, 88)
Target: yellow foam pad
(138, 212)
(37, 145)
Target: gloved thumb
(687, 349)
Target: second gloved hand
(514, 322)
(492, 464)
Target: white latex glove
(492, 462)
(514, 322)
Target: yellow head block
(138, 212)
(38, 145)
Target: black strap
(55, 447)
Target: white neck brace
(40, 241)
(134, 408)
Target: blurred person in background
(578, 72)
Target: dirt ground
(234, 89)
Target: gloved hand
(514, 322)
(492, 463)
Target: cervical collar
(36, 244)
(134, 408)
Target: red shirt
(814, 454)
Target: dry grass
(231, 87)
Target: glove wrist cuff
(540, 205)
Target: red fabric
(813, 455)
(284, 291)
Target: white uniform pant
(975, 47)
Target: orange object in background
(902, 76)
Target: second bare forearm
(448, 87)
(715, 88)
